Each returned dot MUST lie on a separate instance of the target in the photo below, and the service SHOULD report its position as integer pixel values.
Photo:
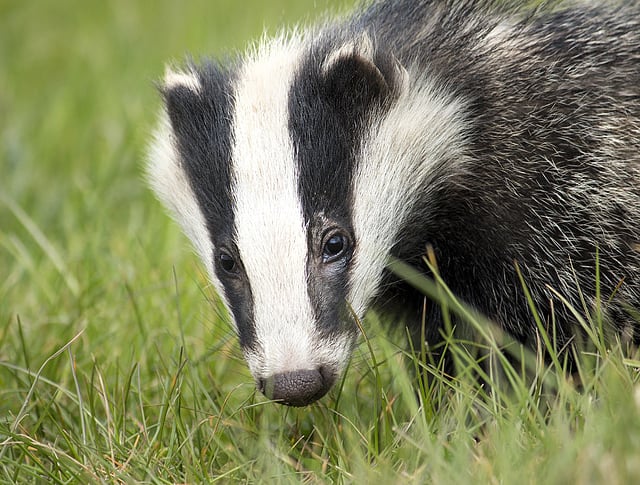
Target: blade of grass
(47, 246)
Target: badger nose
(296, 388)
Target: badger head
(280, 169)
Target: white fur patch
(270, 227)
(398, 164)
(174, 78)
(268, 216)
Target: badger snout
(297, 388)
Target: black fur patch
(202, 126)
(328, 109)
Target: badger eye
(334, 247)
(227, 263)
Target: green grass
(117, 364)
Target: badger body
(492, 134)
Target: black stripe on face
(333, 96)
(201, 122)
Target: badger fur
(493, 133)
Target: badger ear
(181, 91)
(356, 76)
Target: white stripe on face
(400, 161)
(269, 223)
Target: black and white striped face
(277, 170)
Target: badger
(504, 136)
